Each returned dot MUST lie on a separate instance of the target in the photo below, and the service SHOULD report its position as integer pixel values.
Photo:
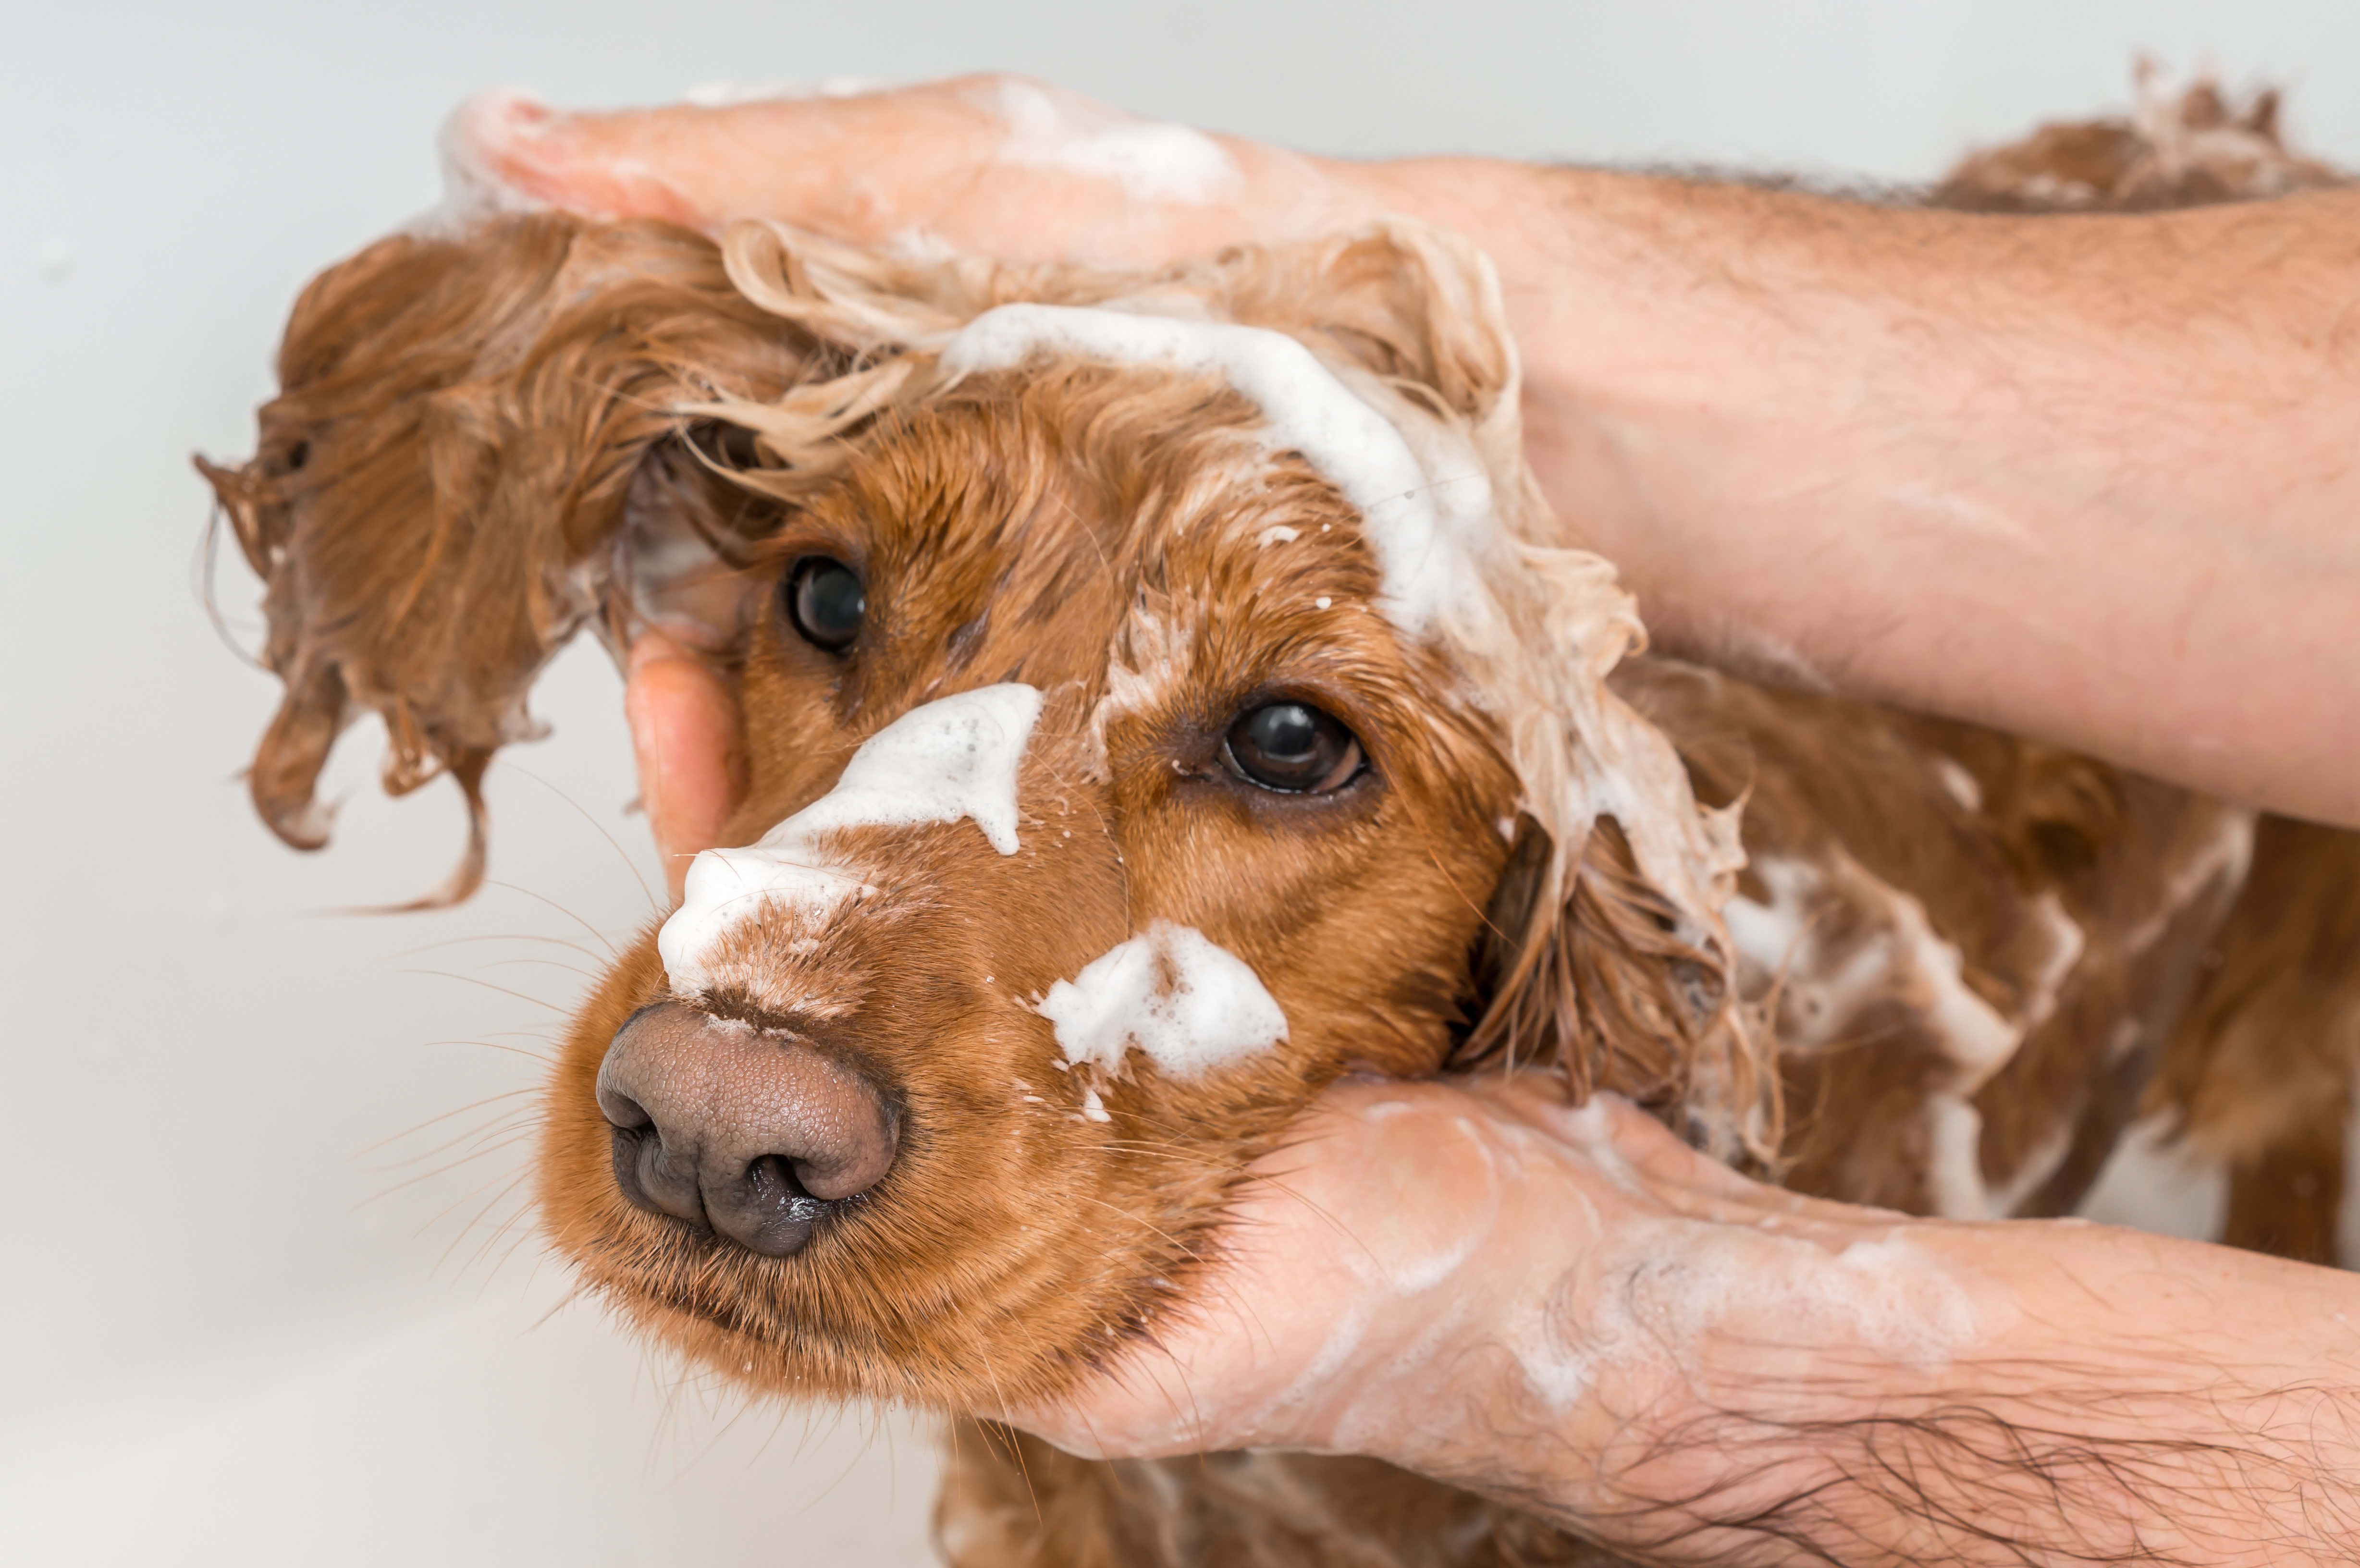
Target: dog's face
(1235, 791)
(1148, 721)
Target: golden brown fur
(1974, 950)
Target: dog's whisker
(544, 1058)
(628, 863)
(596, 935)
(543, 963)
(439, 1170)
(498, 1125)
(489, 936)
(489, 1205)
(521, 1225)
(446, 1115)
(473, 980)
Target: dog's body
(1094, 546)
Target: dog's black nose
(750, 1132)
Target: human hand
(685, 739)
(995, 165)
(1422, 1260)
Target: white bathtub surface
(486, 1437)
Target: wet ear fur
(441, 479)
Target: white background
(226, 1332)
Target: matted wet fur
(1980, 957)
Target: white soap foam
(1191, 1004)
(1151, 160)
(952, 758)
(1428, 521)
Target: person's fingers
(1389, 1210)
(684, 737)
(508, 148)
(992, 165)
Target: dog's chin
(808, 1326)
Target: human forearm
(2086, 479)
(1731, 1375)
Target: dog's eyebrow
(957, 756)
(1429, 514)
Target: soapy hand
(998, 165)
(1409, 1231)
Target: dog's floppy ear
(1603, 950)
(445, 474)
(486, 440)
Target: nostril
(626, 1114)
(853, 1155)
(773, 1189)
(649, 1178)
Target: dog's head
(1163, 695)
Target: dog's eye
(1293, 747)
(826, 601)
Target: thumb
(684, 737)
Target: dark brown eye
(826, 601)
(1292, 748)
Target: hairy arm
(1571, 1313)
(2086, 479)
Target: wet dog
(1165, 693)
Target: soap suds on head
(1190, 1004)
(1425, 523)
(1148, 160)
(956, 757)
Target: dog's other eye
(826, 601)
(1293, 747)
